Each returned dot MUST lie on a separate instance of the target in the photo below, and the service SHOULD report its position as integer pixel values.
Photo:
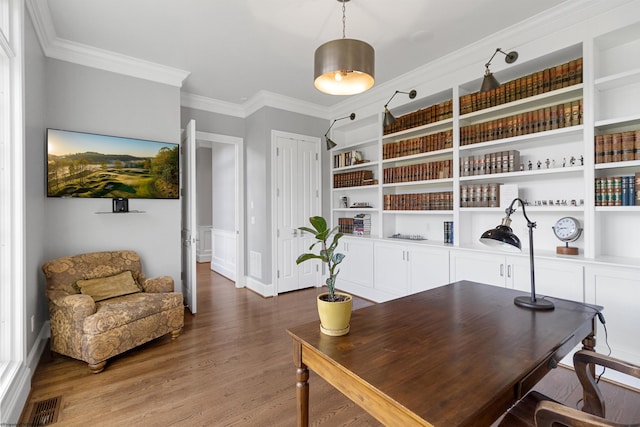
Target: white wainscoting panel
(203, 252)
(223, 253)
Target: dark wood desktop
(457, 355)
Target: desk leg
(589, 343)
(302, 386)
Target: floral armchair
(102, 305)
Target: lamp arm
(531, 225)
(395, 93)
(350, 116)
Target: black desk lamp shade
(502, 237)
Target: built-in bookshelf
(445, 160)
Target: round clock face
(567, 229)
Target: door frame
(275, 134)
(207, 139)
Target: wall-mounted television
(90, 165)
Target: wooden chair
(538, 410)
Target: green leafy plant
(327, 254)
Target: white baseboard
(266, 290)
(15, 398)
(226, 270)
(203, 257)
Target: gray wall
(35, 216)
(258, 173)
(223, 189)
(203, 186)
(256, 131)
(85, 99)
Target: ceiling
(233, 49)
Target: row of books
(419, 172)
(483, 164)
(549, 79)
(618, 190)
(617, 147)
(437, 201)
(480, 195)
(359, 225)
(353, 179)
(422, 144)
(431, 114)
(539, 120)
(448, 232)
(348, 158)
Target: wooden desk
(457, 355)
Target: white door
(297, 198)
(189, 230)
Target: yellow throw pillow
(104, 288)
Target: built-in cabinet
(555, 168)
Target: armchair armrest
(156, 285)
(80, 305)
(582, 360)
(549, 413)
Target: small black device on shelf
(120, 205)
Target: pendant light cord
(344, 20)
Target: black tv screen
(89, 165)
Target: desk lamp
(502, 237)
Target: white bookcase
(607, 269)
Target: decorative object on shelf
(334, 308)
(330, 143)
(448, 232)
(502, 237)
(489, 82)
(120, 204)
(408, 236)
(345, 201)
(361, 205)
(567, 229)
(388, 117)
(344, 66)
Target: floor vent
(45, 412)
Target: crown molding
(77, 53)
(260, 100)
(269, 99)
(198, 102)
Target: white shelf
(417, 212)
(618, 121)
(523, 174)
(117, 213)
(547, 98)
(618, 165)
(427, 129)
(357, 188)
(618, 80)
(437, 153)
(362, 210)
(416, 183)
(520, 140)
(617, 208)
(341, 148)
(358, 166)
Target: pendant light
(344, 66)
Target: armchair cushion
(103, 288)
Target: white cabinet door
(391, 272)
(428, 268)
(553, 278)
(478, 267)
(357, 266)
(618, 291)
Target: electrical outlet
(33, 323)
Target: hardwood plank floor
(232, 366)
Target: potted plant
(334, 308)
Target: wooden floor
(232, 366)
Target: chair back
(63, 273)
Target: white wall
(223, 186)
(89, 100)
